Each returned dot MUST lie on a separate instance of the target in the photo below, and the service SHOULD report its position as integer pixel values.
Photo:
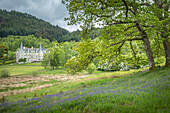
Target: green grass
(15, 64)
(21, 70)
(62, 86)
(52, 72)
(139, 92)
(31, 64)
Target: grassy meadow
(103, 92)
(21, 69)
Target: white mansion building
(31, 54)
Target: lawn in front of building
(21, 69)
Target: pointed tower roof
(21, 48)
(40, 47)
(55, 45)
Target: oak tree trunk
(149, 53)
(167, 51)
(148, 50)
(164, 6)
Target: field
(21, 69)
(123, 91)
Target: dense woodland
(23, 24)
(76, 35)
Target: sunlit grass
(32, 64)
(21, 70)
(52, 72)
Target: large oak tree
(123, 20)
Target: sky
(52, 11)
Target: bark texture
(149, 54)
(167, 51)
(148, 49)
(164, 6)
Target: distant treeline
(75, 35)
(13, 42)
(23, 24)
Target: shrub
(91, 68)
(10, 61)
(71, 65)
(4, 73)
(123, 67)
(159, 60)
(35, 73)
(22, 60)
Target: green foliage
(94, 51)
(11, 55)
(159, 60)
(135, 21)
(52, 57)
(10, 61)
(55, 57)
(22, 24)
(76, 35)
(72, 65)
(22, 60)
(87, 50)
(13, 43)
(67, 51)
(3, 53)
(58, 56)
(4, 73)
(45, 60)
(91, 68)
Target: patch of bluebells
(137, 88)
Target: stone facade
(31, 54)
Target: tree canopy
(13, 42)
(3, 53)
(122, 21)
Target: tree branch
(134, 54)
(147, 26)
(126, 8)
(123, 22)
(119, 49)
(130, 34)
(145, 4)
(132, 39)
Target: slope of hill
(143, 92)
(23, 24)
(75, 35)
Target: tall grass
(142, 92)
(21, 70)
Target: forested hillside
(23, 24)
(75, 35)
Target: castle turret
(40, 47)
(41, 52)
(55, 45)
(21, 48)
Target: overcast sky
(52, 11)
